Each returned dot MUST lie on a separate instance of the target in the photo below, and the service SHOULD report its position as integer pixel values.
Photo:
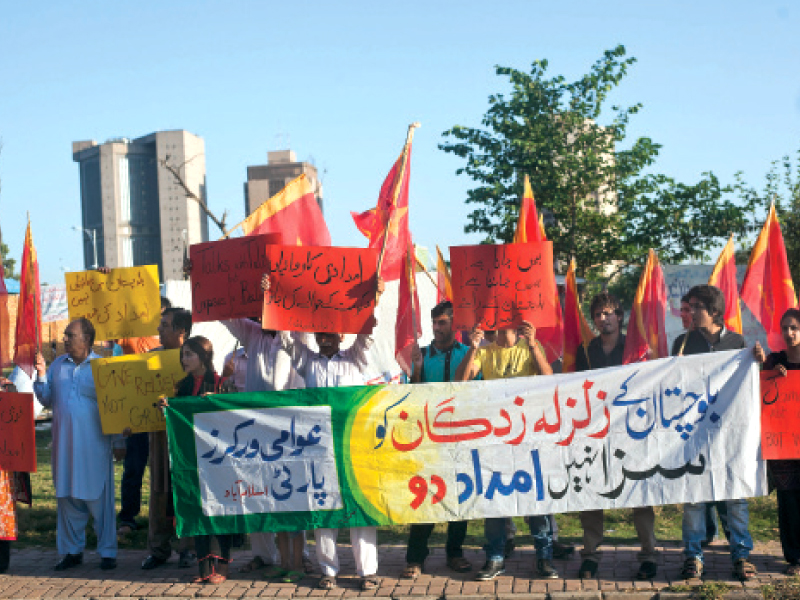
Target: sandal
(326, 582)
(274, 571)
(198, 579)
(412, 571)
(369, 583)
(216, 579)
(459, 564)
(254, 564)
(293, 576)
(692, 568)
(744, 570)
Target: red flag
(724, 277)
(386, 225)
(768, 290)
(647, 335)
(29, 311)
(529, 228)
(576, 330)
(444, 286)
(408, 328)
(5, 323)
(294, 213)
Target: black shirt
(696, 343)
(593, 357)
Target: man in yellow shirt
(514, 353)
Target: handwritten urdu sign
(226, 277)
(499, 286)
(320, 289)
(128, 386)
(17, 437)
(123, 303)
(662, 432)
(780, 415)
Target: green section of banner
(180, 415)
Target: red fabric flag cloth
(386, 225)
(576, 330)
(724, 277)
(29, 312)
(444, 285)
(5, 323)
(294, 213)
(768, 290)
(647, 335)
(408, 327)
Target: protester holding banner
(333, 367)
(83, 469)
(437, 362)
(213, 551)
(513, 354)
(8, 506)
(606, 350)
(173, 330)
(710, 335)
(785, 474)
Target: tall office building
(264, 181)
(134, 212)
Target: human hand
(40, 365)
(416, 356)
(475, 337)
(527, 331)
(759, 354)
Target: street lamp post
(92, 235)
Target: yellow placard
(124, 303)
(128, 386)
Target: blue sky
(720, 84)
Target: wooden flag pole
(424, 268)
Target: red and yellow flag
(408, 328)
(576, 330)
(5, 323)
(647, 335)
(29, 311)
(292, 212)
(768, 290)
(386, 225)
(529, 227)
(724, 277)
(444, 285)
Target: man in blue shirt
(437, 363)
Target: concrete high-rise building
(264, 181)
(133, 210)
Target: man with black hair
(606, 350)
(437, 362)
(710, 335)
(83, 466)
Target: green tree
(601, 206)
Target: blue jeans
(694, 529)
(541, 531)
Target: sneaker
(588, 569)
(490, 570)
(692, 568)
(545, 570)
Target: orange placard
(226, 277)
(17, 439)
(499, 286)
(320, 289)
(780, 415)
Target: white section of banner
(54, 303)
(266, 460)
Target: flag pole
(396, 191)
(36, 308)
(424, 268)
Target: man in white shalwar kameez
(82, 459)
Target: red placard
(17, 438)
(498, 287)
(316, 288)
(226, 277)
(780, 415)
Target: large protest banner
(17, 436)
(226, 277)
(314, 288)
(123, 303)
(661, 432)
(128, 386)
(780, 415)
(498, 287)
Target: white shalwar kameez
(82, 457)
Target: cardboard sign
(320, 289)
(17, 438)
(780, 415)
(124, 303)
(128, 386)
(498, 287)
(226, 277)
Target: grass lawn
(38, 523)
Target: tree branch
(176, 175)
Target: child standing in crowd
(785, 474)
